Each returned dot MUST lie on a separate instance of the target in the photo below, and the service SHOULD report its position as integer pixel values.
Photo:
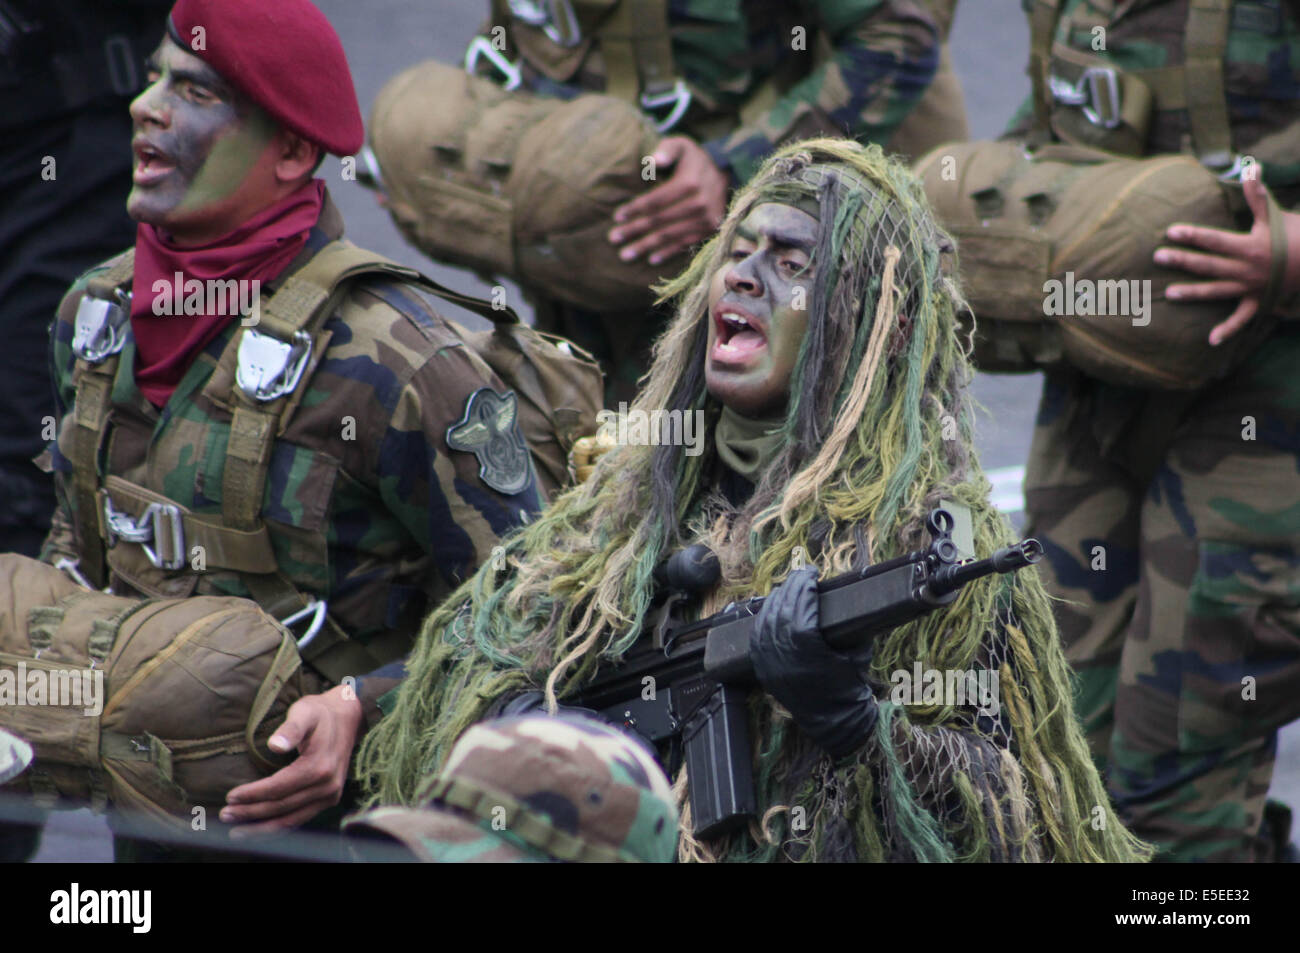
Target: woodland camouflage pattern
(1180, 568)
(1261, 71)
(886, 53)
(570, 775)
(353, 514)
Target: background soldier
(724, 84)
(1186, 636)
(323, 482)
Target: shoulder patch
(489, 429)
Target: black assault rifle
(684, 685)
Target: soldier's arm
(456, 515)
(886, 53)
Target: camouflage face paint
(196, 139)
(758, 309)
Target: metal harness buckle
(555, 17)
(149, 528)
(316, 609)
(269, 368)
(100, 327)
(678, 96)
(1097, 85)
(482, 46)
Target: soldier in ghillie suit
(588, 146)
(302, 453)
(817, 334)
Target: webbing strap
(143, 747)
(521, 821)
(1042, 25)
(286, 662)
(1206, 39)
(223, 547)
(637, 47)
(90, 422)
(1277, 266)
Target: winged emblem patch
(489, 429)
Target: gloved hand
(825, 690)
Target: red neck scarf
(182, 298)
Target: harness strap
(90, 424)
(1205, 41)
(1042, 25)
(224, 547)
(637, 46)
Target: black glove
(826, 691)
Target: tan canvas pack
(157, 706)
(509, 183)
(1056, 260)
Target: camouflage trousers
(1171, 525)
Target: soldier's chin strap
(522, 823)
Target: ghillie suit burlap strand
(877, 431)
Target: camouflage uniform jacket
(1261, 71)
(365, 504)
(883, 55)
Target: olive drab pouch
(1055, 251)
(560, 389)
(511, 183)
(156, 706)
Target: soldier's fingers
(1233, 244)
(669, 199)
(1206, 291)
(1256, 196)
(1235, 321)
(678, 233)
(285, 781)
(303, 717)
(1211, 266)
(667, 154)
(286, 822)
(329, 790)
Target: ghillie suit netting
(877, 431)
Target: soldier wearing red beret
(295, 448)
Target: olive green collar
(746, 445)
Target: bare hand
(323, 729)
(675, 215)
(1239, 262)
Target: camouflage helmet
(15, 756)
(536, 788)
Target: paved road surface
(381, 37)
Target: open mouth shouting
(151, 163)
(738, 337)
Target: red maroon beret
(283, 55)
